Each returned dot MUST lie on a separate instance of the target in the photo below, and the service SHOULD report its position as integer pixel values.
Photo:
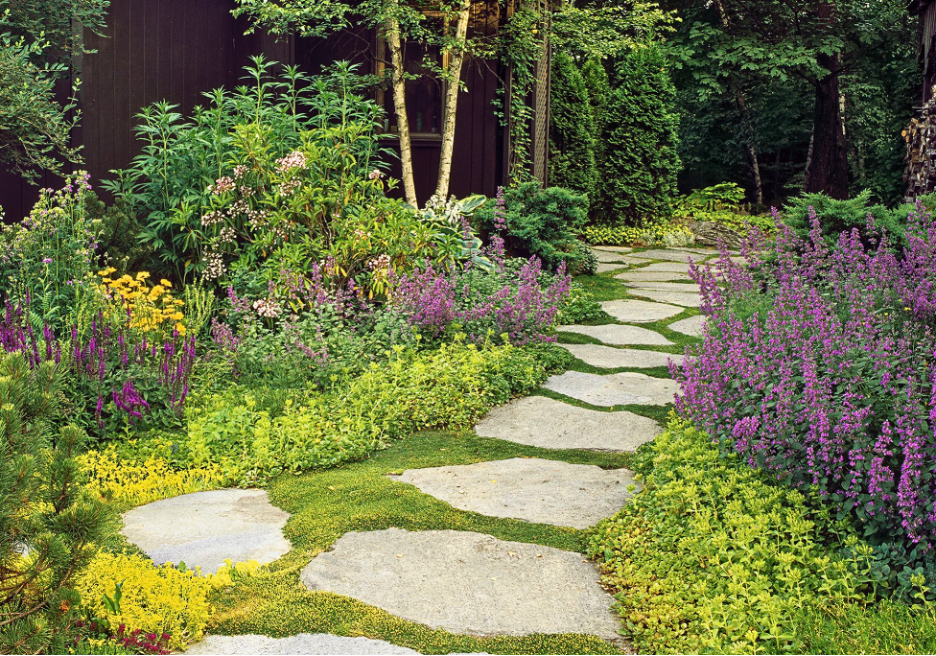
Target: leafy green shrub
(47, 523)
(638, 173)
(542, 223)
(571, 131)
(453, 386)
(658, 234)
(837, 216)
(713, 557)
(579, 307)
(721, 203)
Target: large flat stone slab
(610, 256)
(619, 335)
(650, 276)
(551, 424)
(613, 389)
(304, 643)
(205, 528)
(631, 311)
(693, 326)
(618, 249)
(673, 298)
(608, 357)
(530, 489)
(673, 255)
(604, 267)
(467, 582)
(682, 288)
(671, 267)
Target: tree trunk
(451, 101)
(827, 170)
(399, 107)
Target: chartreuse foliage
(712, 557)
(661, 233)
(244, 435)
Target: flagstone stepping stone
(693, 326)
(619, 249)
(619, 335)
(609, 256)
(650, 276)
(203, 529)
(631, 311)
(467, 582)
(699, 251)
(673, 255)
(674, 298)
(608, 357)
(672, 267)
(550, 424)
(304, 643)
(666, 287)
(604, 267)
(613, 389)
(529, 489)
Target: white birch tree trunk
(451, 101)
(399, 105)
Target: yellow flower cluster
(152, 307)
(114, 478)
(153, 599)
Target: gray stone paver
(604, 267)
(609, 256)
(608, 357)
(693, 326)
(631, 311)
(619, 335)
(467, 582)
(672, 267)
(303, 644)
(619, 249)
(650, 276)
(613, 389)
(674, 255)
(529, 489)
(550, 424)
(681, 287)
(673, 298)
(203, 529)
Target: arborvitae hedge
(571, 130)
(598, 89)
(638, 173)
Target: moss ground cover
(360, 497)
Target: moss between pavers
(359, 497)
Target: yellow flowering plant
(151, 309)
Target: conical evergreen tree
(598, 89)
(571, 131)
(638, 174)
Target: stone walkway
(469, 582)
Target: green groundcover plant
(713, 557)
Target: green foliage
(721, 203)
(49, 257)
(657, 234)
(453, 386)
(207, 186)
(571, 129)
(713, 557)
(36, 40)
(638, 173)
(884, 628)
(837, 216)
(579, 307)
(541, 222)
(47, 524)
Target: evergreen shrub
(571, 129)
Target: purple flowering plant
(818, 367)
